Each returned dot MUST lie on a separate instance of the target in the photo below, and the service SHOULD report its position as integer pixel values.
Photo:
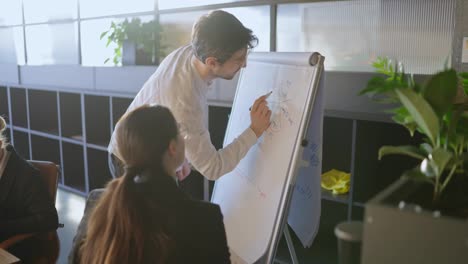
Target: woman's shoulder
(200, 209)
(19, 166)
(200, 234)
(196, 216)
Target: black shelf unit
(70, 116)
(217, 124)
(73, 166)
(45, 148)
(43, 112)
(19, 114)
(341, 198)
(119, 106)
(337, 147)
(97, 117)
(98, 171)
(7, 135)
(71, 129)
(21, 143)
(4, 111)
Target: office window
(93, 50)
(257, 18)
(351, 34)
(418, 32)
(52, 44)
(11, 45)
(169, 4)
(49, 10)
(93, 8)
(177, 27)
(10, 12)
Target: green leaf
(381, 64)
(404, 121)
(440, 157)
(409, 150)
(403, 117)
(103, 34)
(441, 90)
(463, 75)
(462, 125)
(106, 60)
(426, 148)
(412, 127)
(109, 40)
(374, 85)
(421, 111)
(416, 175)
(465, 86)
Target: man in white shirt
(219, 48)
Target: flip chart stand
(292, 251)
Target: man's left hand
(183, 171)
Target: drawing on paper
(314, 158)
(279, 104)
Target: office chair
(49, 172)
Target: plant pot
(133, 55)
(403, 225)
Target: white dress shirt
(177, 85)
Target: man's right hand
(260, 115)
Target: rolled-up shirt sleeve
(211, 163)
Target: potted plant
(137, 42)
(406, 222)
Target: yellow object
(336, 181)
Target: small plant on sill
(144, 36)
(430, 110)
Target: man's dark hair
(219, 34)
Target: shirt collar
(197, 75)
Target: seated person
(25, 203)
(143, 217)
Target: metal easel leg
(292, 251)
(206, 190)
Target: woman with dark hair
(143, 217)
(25, 203)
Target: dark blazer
(25, 203)
(199, 234)
(93, 198)
(196, 227)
